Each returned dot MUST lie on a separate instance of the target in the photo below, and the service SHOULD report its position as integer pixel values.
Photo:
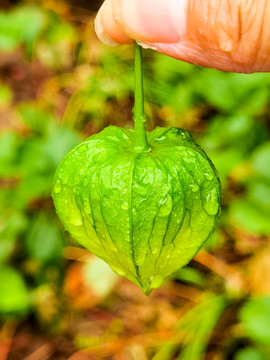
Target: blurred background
(59, 85)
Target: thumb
(230, 35)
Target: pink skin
(230, 35)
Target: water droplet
(166, 206)
(124, 191)
(168, 256)
(162, 201)
(208, 176)
(160, 138)
(57, 186)
(156, 281)
(154, 251)
(125, 206)
(118, 271)
(211, 203)
(194, 187)
(140, 256)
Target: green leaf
(255, 316)
(195, 329)
(60, 143)
(217, 90)
(39, 121)
(12, 223)
(190, 275)
(250, 354)
(44, 241)
(259, 193)
(31, 162)
(249, 216)
(15, 297)
(229, 92)
(261, 160)
(230, 139)
(40, 155)
(9, 144)
(33, 158)
(9, 39)
(240, 131)
(145, 214)
(20, 26)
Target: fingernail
(107, 29)
(100, 31)
(152, 20)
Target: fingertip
(101, 34)
(151, 20)
(107, 30)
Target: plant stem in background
(140, 137)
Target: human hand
(229, 35)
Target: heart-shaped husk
(143, 202)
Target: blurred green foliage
(83, 87)
(21, 26)
(15, 295)
(196, 327)
(255, 316)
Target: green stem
(140, 137)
